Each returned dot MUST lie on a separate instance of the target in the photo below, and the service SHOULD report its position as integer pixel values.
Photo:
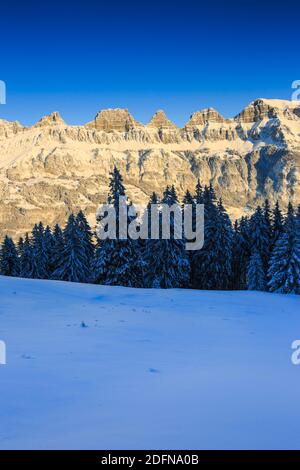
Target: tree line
(259, 252)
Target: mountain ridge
(52, 168)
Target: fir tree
(277, 226)
(26, 258)
(167, 262)
(49, 247)
(240, 253)
(9, 262)
(260, 237)
(213, 263)
(39, 268)
(87, 236)
(118, 261)
(284, 270)
(20, 246)
(73, 264)
(255, 273)
(188, 198)
(58, 247)
(199, 193)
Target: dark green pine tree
(72, 264)
(20, 246)
(267, 214)
(118, 261)
(87, 237)
(240, 253)
(9, 261)
(199, 193)
(213, 263)
(58, 247)
(277, 226)
(260, 237)
(255, 273)
(26, 258)
(166, 260)
(39, 269)
(284, 270)
(49, 247)
(188, 198)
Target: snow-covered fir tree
(73, 263)
(26, 258)
(20, 246)
(49, 246)
(118, 261)
(167, 262)
(277, 225)
(284, 270)
(255, 273)
(9, 261)
(213, 263)
(87, 235)
(241, 250)
(199, 193)
(40, 260)
(260, 237)
(58, 247)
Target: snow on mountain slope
(52, 168)
(150, 369)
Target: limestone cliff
(52, 168)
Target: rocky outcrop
(160, 121)
(109, 120)
(200, 118)
(52, 168)
(53, 119)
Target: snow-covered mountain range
(52, 168)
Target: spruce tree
(199, 193)
(73, 264)
(58, 247)
(260, 237)
(49, 247)
(26, 258)
(167, 261)
(87, 236)
(20, 246)
(39, 268)
(9, 261)
(240, 253)
(118, 261)
(213, 263)
(255, 272)
(284, 270)
(277, 226)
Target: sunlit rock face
(51, 169)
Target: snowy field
(160, 369)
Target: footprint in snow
(153, 371)
(26, 356)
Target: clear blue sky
(82, 56)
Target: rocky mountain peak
(161, 121)
(202, 117)
(116, 119)
(266, 109)
(52, 119)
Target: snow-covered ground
(152, 368)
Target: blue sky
(80, 57)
